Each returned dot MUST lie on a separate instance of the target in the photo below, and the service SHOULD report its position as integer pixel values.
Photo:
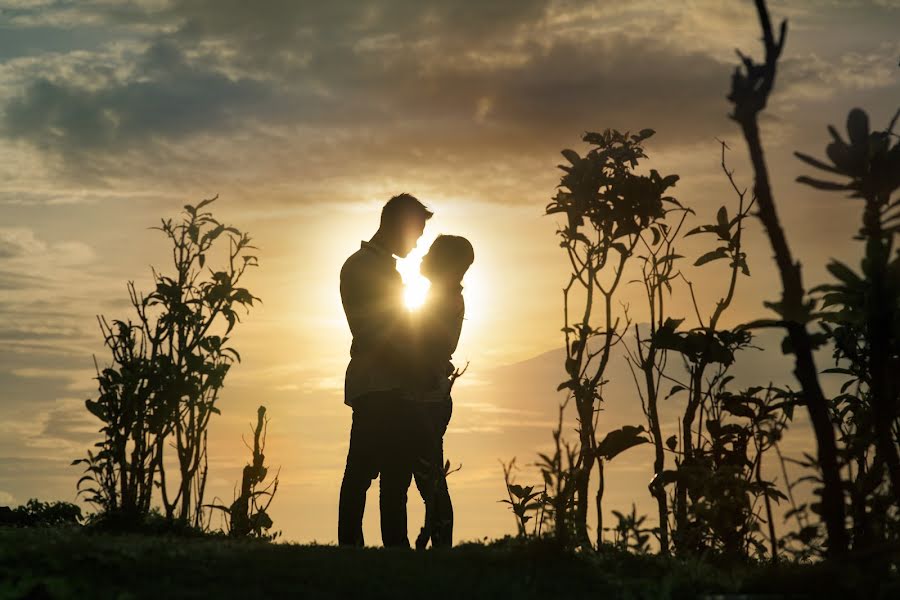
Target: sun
(415, 286)
(415, 292)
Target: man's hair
(452, 253)
(402, 208)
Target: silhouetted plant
(724, 480)
(561, 473)
(707, 345)
(607, 207)
(721, 500)
(704, 347)
(136, 417)
(750, 89)
(863, 319)
(657, 258)
(521, 501)
(629, 533)
(717, 478)
(248, 515)
(166, 373)
(805, 542)
(555, 504)
(35, 513)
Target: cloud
(11, 280)
(52, 288)
(68, 424)
(20, 247)
(164, 97)
(811, 77)
(16, 242)
(334, 86)
(296, 100)
(76, 379)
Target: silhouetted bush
(248, 515)
(167, 369)
(608, 209)
(35, 513)
(717, 500)
(861, 317)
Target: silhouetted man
(372, 295)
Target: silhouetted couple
(399, 377)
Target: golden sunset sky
(305, 117)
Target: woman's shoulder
(449, 305)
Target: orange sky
(305, 117)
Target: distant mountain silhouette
(529, 387)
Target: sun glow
(415, 286)
(415, 293)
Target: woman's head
(448, 259)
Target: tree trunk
(659, 459)
(805, 368)
(601, 484)
(587, 458)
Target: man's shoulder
(358, 262)
(366, 265)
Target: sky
(305, 117)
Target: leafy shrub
(168, 367)
(35, 513)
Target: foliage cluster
(35, 513)
(168, 367)
(714, 497)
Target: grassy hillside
(60, 563)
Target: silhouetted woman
(438, 327)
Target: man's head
(448, 259)
(402, 223)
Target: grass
(78, 563)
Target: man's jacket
(372, 295)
